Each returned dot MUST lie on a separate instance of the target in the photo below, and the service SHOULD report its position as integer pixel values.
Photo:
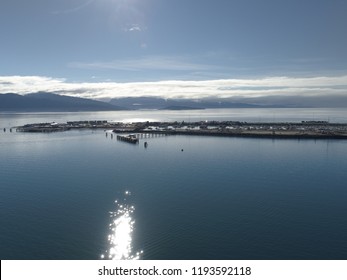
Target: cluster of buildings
(223, 128)
(230, 128)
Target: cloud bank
(261, 88)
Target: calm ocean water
(82, 195)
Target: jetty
(131, 138)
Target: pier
(151, 135)
(131, 138)
(134, 138)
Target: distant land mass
(136, 103)
(49, 102)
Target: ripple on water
(121, 230)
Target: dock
(131, 138)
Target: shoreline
(302, 130)
(255, 134)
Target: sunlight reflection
(136, 120)
(121, 229)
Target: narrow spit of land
(304, 129)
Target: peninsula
(304, 129)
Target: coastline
(302, 130)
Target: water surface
(219, 198)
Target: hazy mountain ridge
(135, 103)
(43, 101)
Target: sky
(183, 48)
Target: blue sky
(94, 48)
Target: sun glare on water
(121, 230)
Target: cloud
(27, 84)
(270, 87)
(74, 9)
(134, 28)
(145, 63)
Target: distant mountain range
(49, 102)
(136, 103)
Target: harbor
(131, 132)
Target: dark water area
(219, 198)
